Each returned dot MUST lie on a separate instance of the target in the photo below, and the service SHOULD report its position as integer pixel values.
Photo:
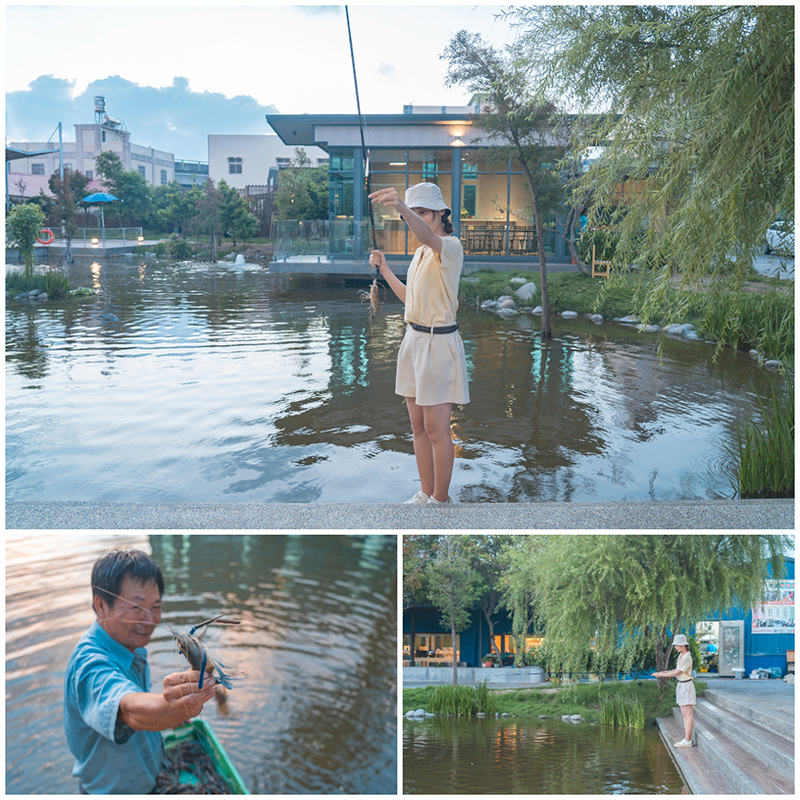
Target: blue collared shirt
(110, 757)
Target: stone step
(699, 773)
(747, 772)
(770, 747)
(764, 716)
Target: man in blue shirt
(112, 719)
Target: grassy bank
(583, 698)
(760, 318)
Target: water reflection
(473, 756)
(317, 713)
(195, 383)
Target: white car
(780, 238)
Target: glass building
(490, 206)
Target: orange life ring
(50, 237)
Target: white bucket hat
(681, 639)
(426, 195)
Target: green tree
(693, 107)
(129, 186)
(235, 218)
(302, 191)
(23, 225)
(209, 212)
(175, 208)
(68, 194)
(604, 598)
(521, 125)
(418, 554)
(518, 590)
(487, 553)
(453, 587)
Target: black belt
(426, 329)
(689, 681)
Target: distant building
(104, 134)
(191, 173)
(250, 160)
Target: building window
(283, 163)
(234, 165)
(163, 176)
(142, 171)
(90, 174)
(37, 169)
(429, 171)
(432, 649)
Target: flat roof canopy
(300, 129)
(13, 154)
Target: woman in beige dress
(685, 693)
(431, 364)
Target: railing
(87, 235)
(292, 237)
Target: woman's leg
(688, 721)
(433, 446)
(423, 450)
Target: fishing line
(364, 149)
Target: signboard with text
(776, 613)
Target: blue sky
(176, 73)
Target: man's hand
(180, 701)
(182, 694)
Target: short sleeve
(98, 690)
(452, 254)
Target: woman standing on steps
(431, 365)
(685, 694)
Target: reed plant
(625, 711)
(461, 701)
(749, 321)
(764, 454)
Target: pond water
(449, 755)
(182, 383)
(317, 712)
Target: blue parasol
(98, 199)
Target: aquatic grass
(461, 701)
(54, 282)
(625, 711)
(748, 321)
(764, 454)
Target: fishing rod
(364, 148)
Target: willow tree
(609, 597)
(453, 587)
(693, 107)
(520, 125)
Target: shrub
(179, 249)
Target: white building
(252, 160)
(105, 134)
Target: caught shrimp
(196, 652)
(373, 296)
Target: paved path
(669, 515)
(772, 694)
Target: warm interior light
(397, 163)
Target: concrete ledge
(432, 676)
(669, 515)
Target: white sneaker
(432, 501)
(419, 497)
(684, 743)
